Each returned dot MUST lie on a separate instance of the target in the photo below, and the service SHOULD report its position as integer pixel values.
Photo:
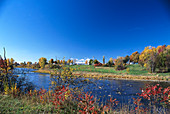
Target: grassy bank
(136, 72)
(133, 70)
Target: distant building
(81, 61)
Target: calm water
(103, 89)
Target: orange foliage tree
(134, 57)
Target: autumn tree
(126, 59)
(29, 63)
(64, 62)
(15, 63)
(86, 62)
(8, 62)
(134, 57)
(68, 61)
(51, 61)
(61, 61)
(119, 64)
(71, 62)
(42, 62)
(58, 61)
(110, 62)
(22, 64)
(168, 58)
(148, 58)
(162, 60)
(12, 61)
(103, 59)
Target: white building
(82, 61)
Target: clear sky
(30, 29)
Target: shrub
(99, 64)
(56, 66)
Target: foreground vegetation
(62, 99)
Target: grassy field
(133, 70)
(12, 105)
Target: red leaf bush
(99, 64)
(156, 94)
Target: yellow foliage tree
(72, 61)
(134, 57)
(29, 63)
(68, 61)
(111, 60)
(61, 61)
(42, 62)
(8, 62)
(12, 61)
(148, 58)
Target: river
(103, 89)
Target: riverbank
(109, 75)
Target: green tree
(96, 61)
(110, 62)
(91, 62)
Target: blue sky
(30, 29)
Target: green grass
(23, 105)
(135, 69)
